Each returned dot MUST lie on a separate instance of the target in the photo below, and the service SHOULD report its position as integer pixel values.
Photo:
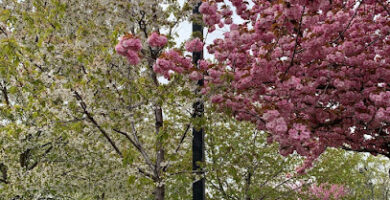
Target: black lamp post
(198, 147)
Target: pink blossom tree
(314, 74)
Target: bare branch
(138, 146)
(3, 31)
(182, 138)
(105, 134)
(147, 174)
(179, 145)
(5, 94)
(296, 42)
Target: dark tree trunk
(248, 180)
(160, 189)
(159, 192)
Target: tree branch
(139, 147)
(376, 40)
(5, 94)
(296, 42)
(3, 31)
(147, 174)
(182, 138)
(4, 176)
(273, 176)
(384, 6)
(179, 145)
(89, 116)
(341, 35)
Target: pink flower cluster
(195, 45)
(129, 46)
(195, 76)
(203, 65)
(275, 122)
(210, 15)
(157, 40)
(172, 61)
(299, 132)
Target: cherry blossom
(129, 46)
(195, 45)
(156, 40)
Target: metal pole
(198, 148)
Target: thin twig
(296, 42)
(179, 145)
(3, 31)
(341, 35)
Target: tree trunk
(160, 189)
(159, 192)
(4, 176)
(248, 185)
